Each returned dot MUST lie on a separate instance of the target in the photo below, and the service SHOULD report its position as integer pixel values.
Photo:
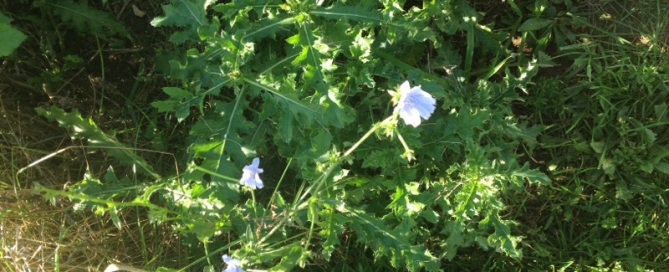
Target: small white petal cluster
(414, 104)
(233, 264)
(251, 175)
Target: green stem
(102, 66)
(215, 174)
(205, 243)
(276, 189)
(225, 136)
(217, 251)
(255, 209)
(311, 229)
(348, 152)
(108, 203)
(404, 144)
(319, 182)
(359, 142)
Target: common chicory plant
(288, 74)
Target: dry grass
(38, 235)
(41, 235)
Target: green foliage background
(514, 163)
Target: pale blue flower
(233, 264)
(414, 104)
(251, 175)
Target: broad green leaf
(113, 214)
(531, 175)
(177, 92)
(203, 230)
(11, 39)
(355, 13)
(196, 66)
(660, 111)
(534, 24)
(222, 173)
(396, 247)
(646, 167)
(361, 47)
(184, 13)
(85, 18)
(466, 121)
(321, 143)
(503, 239)
(182, 111)
(286, 126)
(455, 239)
(316, 51)
(648, 135)
(597, 146)
(333, 226)
(608, 165)
(165, 106)
(381, 158)
(290, 258)
(109, 189)
(544, 60)
(267, 27)
(430, 215)
(298, 105)
(662, 167)
(4, 19)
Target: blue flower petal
(233, 264)
(415, 104)
(251, 175)
(233, 269)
